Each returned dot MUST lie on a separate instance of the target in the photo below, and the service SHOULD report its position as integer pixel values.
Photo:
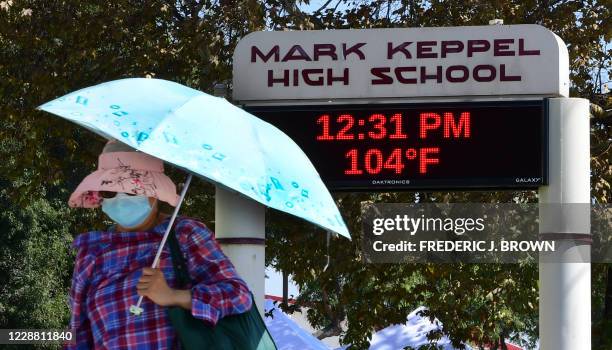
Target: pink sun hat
(124, 169)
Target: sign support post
(565, 284)
(240, 229)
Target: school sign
(497, 60)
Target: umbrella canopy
(208, 136)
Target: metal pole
(565, 285)
(240, 229)
(285, 288)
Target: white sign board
(400, 63)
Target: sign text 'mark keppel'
(421, 62)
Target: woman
(112, 267)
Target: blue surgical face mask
(127, 211)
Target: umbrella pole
(136, 309)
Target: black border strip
(241, 240)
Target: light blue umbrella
(207, 136)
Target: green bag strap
(178, 261)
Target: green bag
(245, 331)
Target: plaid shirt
(108, 266)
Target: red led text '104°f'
(373, 161)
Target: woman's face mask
(127, 211)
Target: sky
(316, 4)
(274, 284)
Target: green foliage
(34, 281)
(49, 48)
(36, 264)
(602, 324)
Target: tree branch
(322, 7)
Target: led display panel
(420, 146)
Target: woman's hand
(152, 285)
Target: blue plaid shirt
(107, 269)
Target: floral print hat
(124, 169)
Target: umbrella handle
(136, 309)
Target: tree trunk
(502, 342)
(333, 328)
